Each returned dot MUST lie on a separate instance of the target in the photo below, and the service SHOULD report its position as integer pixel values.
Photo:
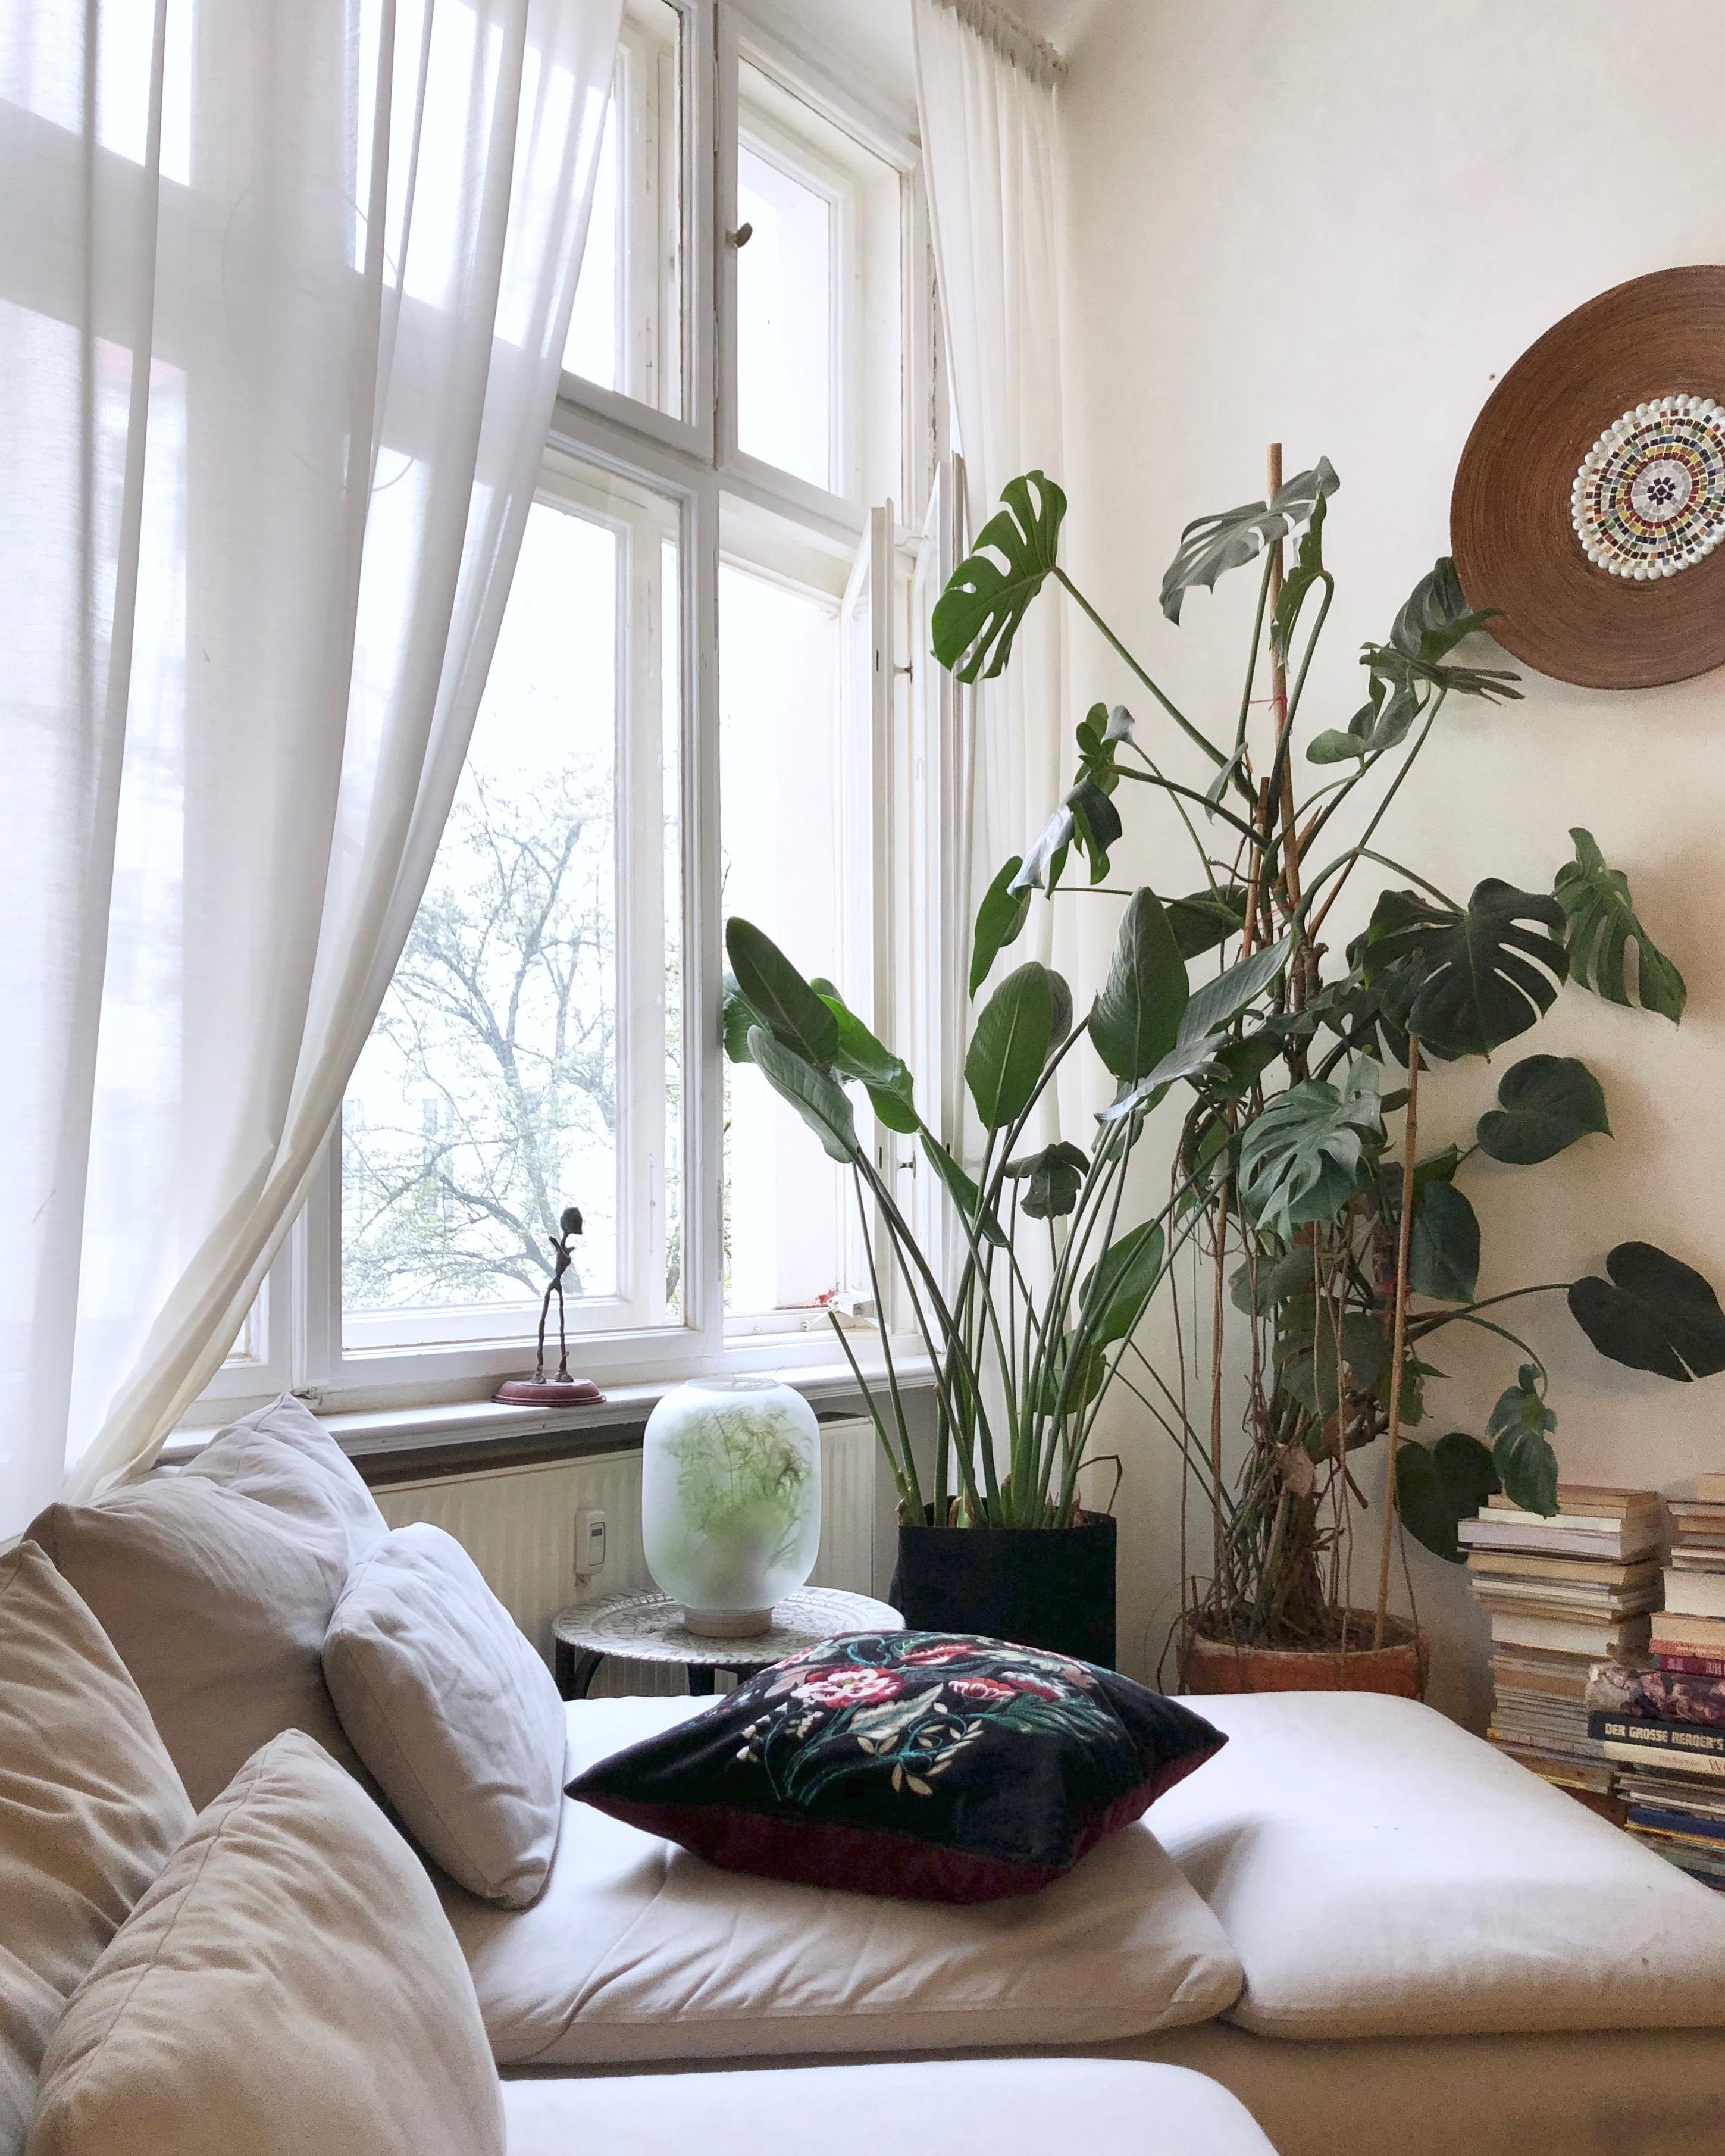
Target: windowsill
(395, 1444)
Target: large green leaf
(1465, 982)
(963, 1192)
(1274, 1280)
(818, 1099)
(1212, 544)
(1520, 1430)
(1444, 1244)
(859, 1055)
(787, 1005)
(1434, 621)
(1307, 573)
(1320, 1362)
(1304, 1157)
(740, 1014)
(1010, 1045)
(1207, 918)
(978, 615)
(1135, 1020)
(1055, 1176)
(1118, 1285)
(1217, 1004)
(1436, 1489)
(1599, 924)
(1000, 921)
(1653, 1313)
(1544, 1103)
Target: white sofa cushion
(90, 1809)
(286, 1988)
(217, 1585)
(1382, 1873)
(979, 2108)
(637, 1950)
(452, 1710)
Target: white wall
(1336, 222)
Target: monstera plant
(1348, 1254)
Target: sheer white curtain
(985, 108)
(283, 292)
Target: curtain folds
(280, 338)
(986, 110)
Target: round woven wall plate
(1589, 503)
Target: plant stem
(1404, 1233)
(1434, 1321)
(1178, 716)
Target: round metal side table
(650, 1628)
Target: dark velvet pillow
(928, 1765)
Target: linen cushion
(1382, 1873)
(288, 1987)
(217, 1586)
(930, 1766)
(637, 1950)
(90, 1811)
(452, 1711)
(973, 2108)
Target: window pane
(784, 307)
(780, 756)
(626, 332)
(527, 1055)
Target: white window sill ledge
(362, 1433)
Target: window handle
(742, 237)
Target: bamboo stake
(1279, 710)
(1403, 1237)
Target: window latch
(742, 235)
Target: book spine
(1692, 1665)
(1636, 1755)
(1681, 1743)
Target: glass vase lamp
(730, 1501)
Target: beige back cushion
(90, 1811)
(288, 1987)
(217, 1586)
(452, 1711)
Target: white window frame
(294, 1339)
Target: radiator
(518, 1526)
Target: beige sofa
(1382, 1937)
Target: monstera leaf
(1011, 1043)
(1303, 1158)
(978, 615)
(1654, 1313)
(785, 1003)
(1041, 868)
(1000, 921)
(1308, 571)
(1434, 621)
(1544, 1103)
(1321, 1364)
(1436, 1489)
(1135, 1019)
(1599, 924)
(1211, 544)
(818, 1099)
(1465, 982)
(1443, 1244)
(1520, 1430)
(1054, 1177)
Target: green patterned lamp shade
(731, 1499)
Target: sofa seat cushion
(1382, 1873)
(979, 2108)
(637, 1950)
(452, 1710)
(287, 1987)
(90, 1811)
(217, 1586)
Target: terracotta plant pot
(1398, 1667)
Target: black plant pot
(1037, 1587)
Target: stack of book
(1662, 1724)
(1564, 1594)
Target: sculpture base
(547, 1393)
(727, 1624)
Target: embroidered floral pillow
(927, 1765)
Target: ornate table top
(650, 1628)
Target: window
(694, 709)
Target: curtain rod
(1033, 55)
